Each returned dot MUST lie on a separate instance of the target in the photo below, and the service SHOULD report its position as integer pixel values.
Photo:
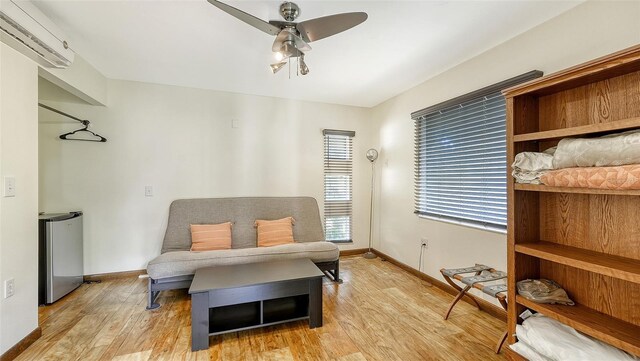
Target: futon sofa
(175, 266)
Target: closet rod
(62, 113)
(84, 122)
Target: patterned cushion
(275, 233)
(210, 237)
(619, 177)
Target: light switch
(9, 288)
(235, 123)
(148, 191)
(9, 187)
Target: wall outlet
(9, 187)
(148, 191)
(9, 288)
(424, 242)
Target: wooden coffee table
(240, 297)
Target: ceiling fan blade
(247, 18)
(320, 28)
(288, 35)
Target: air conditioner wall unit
(25, 28)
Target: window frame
(422, 114)
(340, 166)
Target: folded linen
(527, 351)
(622, 177)
(528, 167)
(611, 150)
(557, 341)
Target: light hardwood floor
(380, 312)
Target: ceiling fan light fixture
(289, 50)
(292, 38)
(304, 69)
(289, 10)
(277, 66)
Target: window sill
(466, 224)
(342, 242)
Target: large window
(338, 165)
(461, 158)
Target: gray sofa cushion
(243, 212)
(180, 263)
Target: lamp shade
(372, 155)
(277, 66)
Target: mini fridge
(60, 255)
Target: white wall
(588, 31)
(81, 79)
(18, 215)
(180, 141)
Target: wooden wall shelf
(623, 124)
(543, 188)
(627, 269)
(595, 98)
(609, 66)
(621, 334)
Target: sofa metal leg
(151, 297)
(336, 274)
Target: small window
(338, 168)
(461, 158)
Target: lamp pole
(372, 155)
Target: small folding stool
(482, 274)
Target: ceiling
(193, 44)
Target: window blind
(461, 158)
(338, 168)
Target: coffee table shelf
(250, 315)
(234, 317)
(241, 297)
(288, 308)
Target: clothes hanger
(85, 129)
(82, 121)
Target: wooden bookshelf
(623, 268)
(584, 130)
(587, 240)
(543, 188)
(604, 68)
(621, 334)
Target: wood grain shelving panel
(613, 331)
(543, 188)
(605, 264)
(598, 97)
(623, 124)
(606, 67)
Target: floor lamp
(372, 155)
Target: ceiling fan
(292, 38)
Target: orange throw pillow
(210, 237)
(275, 233)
